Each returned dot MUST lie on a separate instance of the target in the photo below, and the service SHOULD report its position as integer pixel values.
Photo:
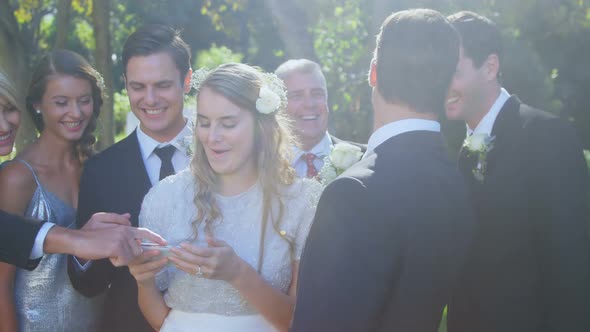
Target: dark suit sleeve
(339, 275)
(17, 236)
(561, 195)
(95, 279)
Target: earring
(38, 111)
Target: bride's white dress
(201, 304)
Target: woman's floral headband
(99, 80)
(271, 97)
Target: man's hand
(106, 235)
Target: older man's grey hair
(302, 66)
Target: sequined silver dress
(44, 297)
(168, 210)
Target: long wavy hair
(65, 62)
(241, 84)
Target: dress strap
(32, 171)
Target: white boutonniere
(187, 143)
(479, 145)
(342, 156)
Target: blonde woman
(239, 216)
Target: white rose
(345, 155)
(478, 142)
(268, 101)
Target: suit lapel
(506, 126)
(135, 175)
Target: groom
(529, 269)
(390, 234)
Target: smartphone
(164, 250)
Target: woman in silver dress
(64, 100)
(238, 218)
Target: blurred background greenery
(546, 62)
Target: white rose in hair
(345, 155)
(268, 101)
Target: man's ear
(373, 73)
(187, 80)
(491, 67)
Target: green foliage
(25, 11)
(545, 62)
(587, 156)
(215, 56)
(83, 7)
(121, 108)
(84, 33)
(341, 39)
(524, 74)
(217, 10)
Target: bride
(237, 219)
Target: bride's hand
(218, 261)
(145, 267)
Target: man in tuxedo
(307, 106)
(157, 74)
(391, 233)
(24, 241)
(529, 268)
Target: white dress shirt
(152, 162)
(486, 124)
(37, 251)
(399, 127)
(321, 150)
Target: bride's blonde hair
(273, 141)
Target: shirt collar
(147, 144)
(321, 149)
(399, 127)
(486, 124)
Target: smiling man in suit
(307, 106)
(529, 268)
(390, 234)
(157, 75)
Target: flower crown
(271, 97)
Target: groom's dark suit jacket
(529, 269)
(17, 236)
(113, 181)
(388, 239)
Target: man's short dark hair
(480, 36)
(155, 38)
(417, 53)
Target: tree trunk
(291, 22)
(13, 60)
(104, 65)
(64, 8)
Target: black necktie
(165, 154)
